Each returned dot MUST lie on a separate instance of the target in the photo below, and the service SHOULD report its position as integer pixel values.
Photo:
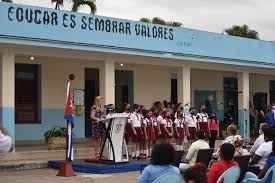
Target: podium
(113, 142)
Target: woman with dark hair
(227, 152)
(195, 174)
(213, 126)
(163, 155)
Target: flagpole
(66, 169)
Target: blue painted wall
(50, 117)
(177, 42)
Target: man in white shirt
(263, 152)
(5, 140)
(260, 139)
(191, 122)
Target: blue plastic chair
(230, 176)
(270, 170)
(170, 177)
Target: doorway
(230, 93)
(91, 91)
(124, 88)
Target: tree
(241, 31)
(78, 3)
(58, 3)
(157, 20)
(7, 1)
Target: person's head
(180, 106)
(263, 126)
(150, 114)
(168, 114)
(110, 108)
(126, 107)
(227, 152)
(196, 174)
(179, 114)
(203, 110)
(192, 110)
(269, 134)
(163, 113)
(99, 101)
(137, 108)
(163, 153)
(156, 113)
(200, 134)
(213, 116)
(238, 141)
(231, 130)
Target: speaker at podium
(113, 146)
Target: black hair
(197, 174)
(227, 151)
(200, 134)
(136, 106)
(215, 117)
(269, 134)
(273, 148)
(124, 106)
(232, 129)
(163, 153)
(191, 108)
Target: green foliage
(160, 21)
(58, 3)
(55, 131)
(78, 3)
(7, 1)
(241, 31)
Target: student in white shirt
(260, 139)
(263, 152)
(180, 129)
(191, 122)
(160, 119)
(5, 140)
(168, 127)
(202, 118)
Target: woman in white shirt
(5, 140)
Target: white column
(107, 82)
(7, 93)
(243, 104)
(184, 86)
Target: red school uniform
(167, 122)
(179, 123)
(203, 123)
(155, 126)
(128, 127)
(149, 129)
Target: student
(196, 174)
(202, 118)
(150, 132)
(160, 119)
(213, 124)
(129, 125)
(137, 136)
(168, 127)
(156, 125)
(269, 163)
(110, 109)
(163, 155)
(5, 140)
(192, 153)
(180, 128)
(227, 151)
(192, 125)
(264, 150)
(260, 139)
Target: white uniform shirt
(179, 123)
(136, 119)
(160, 119)
(167, 122)
(5, 143)
(154, 121)
(191, 121)
(129, 115)
(202, 117)
(264, 151)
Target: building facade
(124, 61)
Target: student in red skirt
(181, 129)
(129, 125)
(156, 125)
(149, 132)
(191, 122)
(168, 127)
(160, 119)
(202, 118)
(137, 135)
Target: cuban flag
(68, 116)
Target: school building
(124, 61)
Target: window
(27, 93)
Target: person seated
(269, 163)
(5, 140)
(192, 153)
(260, 139)
(231, 132)
(162, 156)
(196, 174)
(239, 150)
(227, 152)
(264, 150)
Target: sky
(207, 15)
